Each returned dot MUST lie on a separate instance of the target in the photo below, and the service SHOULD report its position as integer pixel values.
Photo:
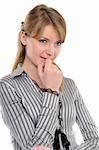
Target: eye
(59, 43)
(44, 41)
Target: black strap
(64, 140)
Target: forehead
(50, 32)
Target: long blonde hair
(35, 21)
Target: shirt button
(24, 74)
(60, 104)
(60, 118)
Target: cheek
(57, 52)
(31, 49)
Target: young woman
(39, 104)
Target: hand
(50, 75)
(41, 148)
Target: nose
(50, 50)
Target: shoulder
(69, 86)
(69, 82)
(7, 80)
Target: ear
(23, 38)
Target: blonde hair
(35, 21)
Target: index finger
(48, 64)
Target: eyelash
(59, 43)
(43, 41)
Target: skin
(41, 148)
(38, 62)
(40, 54)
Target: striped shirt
(32, 114)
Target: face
(47, 46)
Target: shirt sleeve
(21, 124)
(86, 124)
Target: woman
(39, 104)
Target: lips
(43, 57)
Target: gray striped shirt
(32, 115)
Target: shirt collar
(18, 71)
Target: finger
(40, 69)
(35, 148)
(48, 64)
(40, 147)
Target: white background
(78, 59)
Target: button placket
(60, 115)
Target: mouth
(43, 57)
(43, 60)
